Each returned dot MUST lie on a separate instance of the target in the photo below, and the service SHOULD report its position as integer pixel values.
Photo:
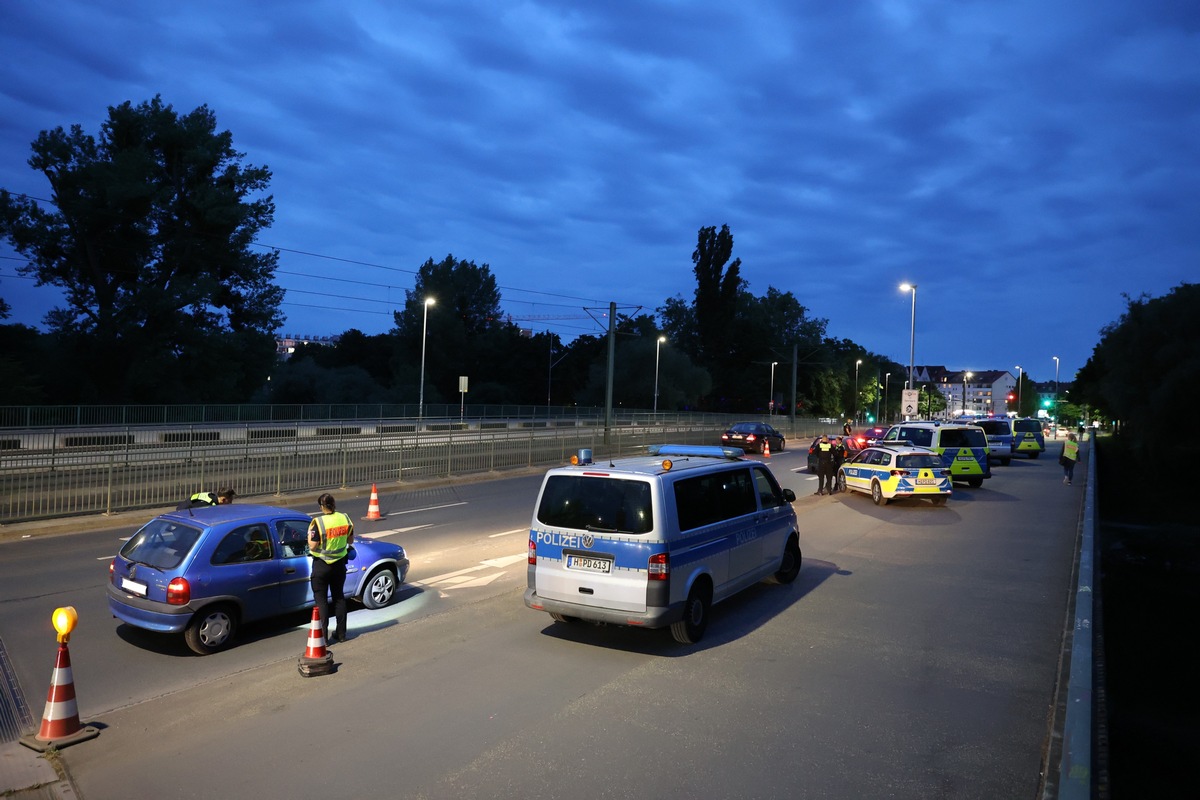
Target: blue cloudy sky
(1025, 163)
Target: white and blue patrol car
(657, 540)
(897, 470)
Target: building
(982, 393)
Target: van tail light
(659, 567)
(532, 551)
(179, 592)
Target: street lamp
(966, 376)
(912, 335)
(857, 364)
(886, 380)
(1055, 395)
(657, 347)
(424, 330)
(771, 402)
(1019, 374)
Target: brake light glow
(179, 592)
(532, 551)
(659, 567)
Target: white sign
(462, 383)
(910, 402)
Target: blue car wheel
(380, 589)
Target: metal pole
(424, 330)
(657, 347)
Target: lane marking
(426, 508)
(378, 534)
(509, 533)
(456, 578)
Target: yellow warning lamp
(64, 620)
(667, 464)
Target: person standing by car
(1070, 456)
(329, 540)
(847, 429)
(839, 458)
(824, 451)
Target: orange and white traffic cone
(373, 506)
(316, 659)
(60, 720)
(766, 448)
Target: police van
(999, 438)
(1028, 438)
(656, 540)
(963, 448)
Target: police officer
(329, 540)
(847, 429)
(824, 452)
(839, 458)
(198, 500)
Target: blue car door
(295, 566)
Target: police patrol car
(897, 469)
(1028, 438)
(657, 540)
(963, 448)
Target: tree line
(150, 236)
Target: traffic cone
(316, 660)
(60, 720)
(373, 506)
(766, 448)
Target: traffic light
(1011, 397)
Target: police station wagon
(887, 471)
(657, 540)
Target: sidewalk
(26, 775)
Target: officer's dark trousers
(330, 580)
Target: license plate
(589, 564)
(927, 481)
(133, 587)
(965, 457)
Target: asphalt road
(916, 656)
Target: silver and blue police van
(656, 540)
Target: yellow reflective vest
(335, 531)
(1071, 450)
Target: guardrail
(98, 470)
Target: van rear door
(593, 535)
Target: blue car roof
(231, 512)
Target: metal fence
(58, 472)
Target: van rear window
(607, 505)
(994, 427)
(1027, 426)
(963, 437)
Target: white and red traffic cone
(373, 506)
(60, 720)
(316, 659)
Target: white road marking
(377, 534)
(461, 578)
(426, 508)
(509, 533)
(505, 561)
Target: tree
(1146, 368)
(150, 239)
(717, 290)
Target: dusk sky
(1026, 164)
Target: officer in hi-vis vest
(329, 540)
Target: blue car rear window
(161, 543)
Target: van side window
(596, 504)
(769, 493)
(921, 437)
(714, 497)
(954, 437)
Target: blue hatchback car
(205, 571)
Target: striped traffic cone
(316, 660)
(60, 720)
(766, 448)
(373, 506)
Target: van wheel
(789, 565)
(1004, 462)
(841, 482)
(877, 494)
(690, 629)
(974, 483)
(938, 501)
(562, 618)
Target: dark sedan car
(753, 437)
(852, 443)
(203, 572)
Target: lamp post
(886, 380)
(657, 347)
(857, 364)
(1020, 372)
(1055, 396)
(966, 376)
(424, 330)
(912, 335)
(771, 402)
